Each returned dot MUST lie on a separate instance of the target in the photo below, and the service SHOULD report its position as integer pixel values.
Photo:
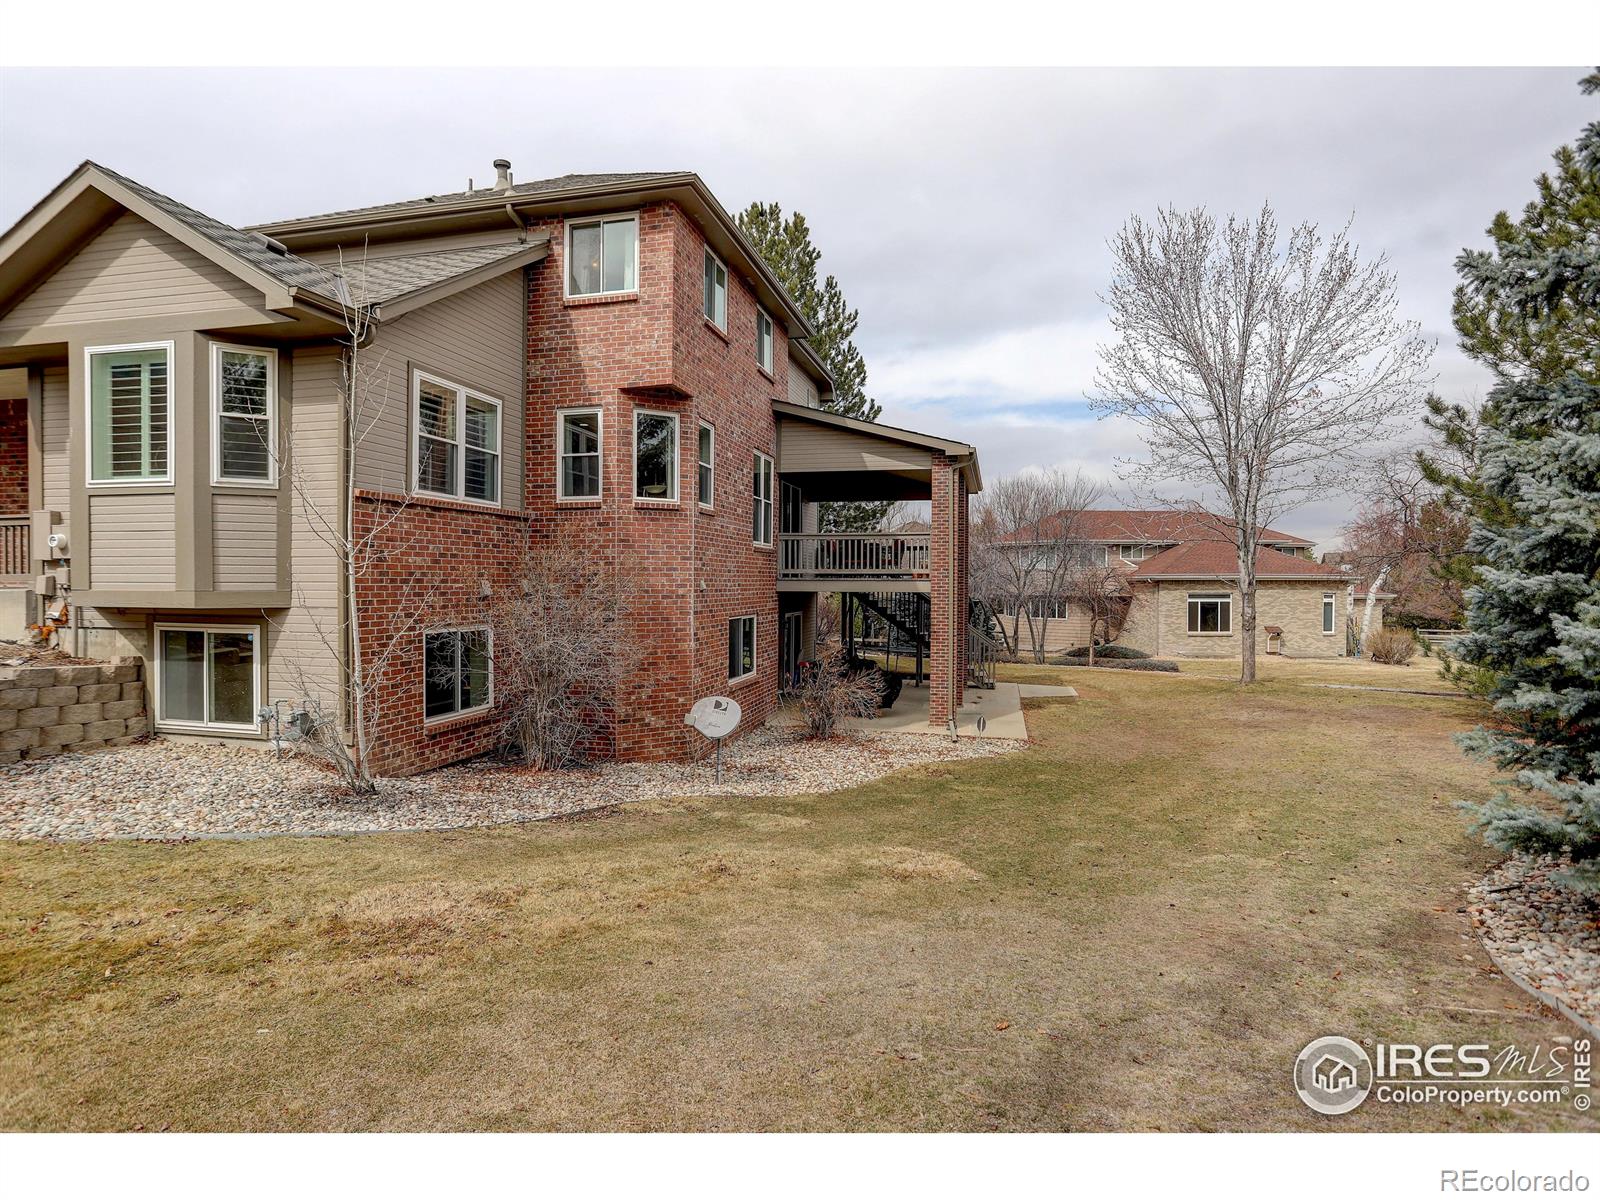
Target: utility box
(42, 524)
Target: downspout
(958, 621)
(516, 219)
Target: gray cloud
(966, 213)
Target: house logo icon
(1332, 1075)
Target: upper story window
(761, 513)
(716, 297)
(578, 472)
(130, 413)
(707, 474)
(764, 341)
(244, 409)
(603, 256)
(457, 442)
(655, 456)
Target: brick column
(947, 561)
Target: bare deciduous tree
(1026, 539)
(563, 647)
(1260, 374)
(1102, 592)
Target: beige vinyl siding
(802, 388)
(305, 643)
(1060, 633)
(131, 543)
(55, 420)
(808, 447)
(129, 271)
(475, 339)
(352, 255)
(244, 541)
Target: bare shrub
(831, 691)
(1392, 646)
(563, 647)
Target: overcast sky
(965, 213)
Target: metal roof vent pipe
(502, 174)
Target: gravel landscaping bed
(166, 790)
(1547, 936)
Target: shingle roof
(288, 269)
(1214, 559)
(560, 183)
(379, 280)
(1151, 525)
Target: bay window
(244, 402)
(655, 456)
(130, 413)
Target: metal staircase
(907, 618)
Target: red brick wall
(696, 569)
(13, 457)
(430, 560)
(948, 562)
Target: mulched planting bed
(167, 790)
(1547, 935)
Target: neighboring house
(600, 353)
(1180, 577)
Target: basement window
(1210, 614)
(741, 648)
(458, 673)
(208, 678)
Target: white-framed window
(244, 415)
(208, 678)
(761, 509)
(763, 340)
(716, 294)
(1210, 612)
(457, 672)
(456, 450)
(579, 437)
(603, 255)
(1052, 608)
(1329, 603)
(129, 413)
(741, 648)
(655, 455)
(706, 471)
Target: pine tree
(1530, 311)
(786, 246)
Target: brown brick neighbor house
(1180, 578)
(599, 353)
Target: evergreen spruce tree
(785, 244)
(1530, 311)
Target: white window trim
(566, 253)
(600, 475)
(772, 353)
(463, 394)
(488, 633)
(755, 643)
(1193, 598)
(271, 355)
(772, 502)
(1330, 613)
(677, 458)
(710, 504)
(159, 681)
(171, 347)
(727, 288)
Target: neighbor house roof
(1149, 525)
(1215, 559)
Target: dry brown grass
(1134, 924)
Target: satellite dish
(714, 716)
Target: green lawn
(1135, 923)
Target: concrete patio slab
(1001, 709)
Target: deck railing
(853, 555)
(16, 559)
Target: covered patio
(913, 579)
